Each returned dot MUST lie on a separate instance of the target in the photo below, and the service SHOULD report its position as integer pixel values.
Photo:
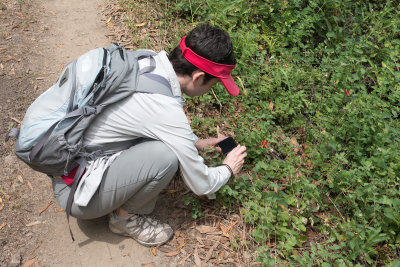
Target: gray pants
(133, 182)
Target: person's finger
(215, 141)
(238, 150)
(234, 153)
(243, 148)
(219, 139)
(242, 156)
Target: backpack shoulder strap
(149, 82)
(154, 84)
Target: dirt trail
(52, 34)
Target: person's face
(197, 87)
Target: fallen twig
(45, 207)
(16, 120)
(219, 102)
(33, 223)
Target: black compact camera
(227, 145)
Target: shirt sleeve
(174, 130)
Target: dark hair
(207, 41)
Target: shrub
(321, 88)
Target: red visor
(221, 71)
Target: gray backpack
(50, 139)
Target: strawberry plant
(319, 115)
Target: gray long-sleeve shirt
(157, 117)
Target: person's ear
(198, 76)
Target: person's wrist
(229, 168)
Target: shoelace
(139, 222)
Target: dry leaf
(108, 20)
(199, 240)
(181, 246)
(154, 251)
(164, 249)
(180, 240)
(210, 251)
(1, 203)
(224, 230)
(19, 177)
(242, 84)
(309, 163)
(215, 233)
(271, 106)
(45, 207)
(59, 45)
(20, 15)
(29, 185)
(283, 207)
(196, 258)
(140, 24)
(33, 223)
(230, 260)
(53, 13)
(148, 265)
(184, 259)
(7, 196)
(205, 229)
(294, 142)
(29, 263)
(173, 253)
(2, 225)
(219, 135)
(60, 210)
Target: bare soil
(37, 38)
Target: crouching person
(126, 184)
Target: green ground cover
(319, 114)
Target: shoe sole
(146, 244)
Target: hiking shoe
(145, 230)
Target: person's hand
(204, 144)
(235, 159)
